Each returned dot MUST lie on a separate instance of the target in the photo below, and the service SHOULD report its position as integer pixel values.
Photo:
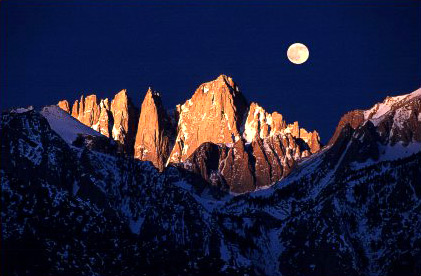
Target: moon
(298, 53)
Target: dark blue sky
(360, 52)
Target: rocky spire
(105, 120)
(260, 124)
(125, 121)
(75, 109)
(154, 131)
(90, 111)
(86, 110)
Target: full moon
(298, 53)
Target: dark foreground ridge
(73, 204)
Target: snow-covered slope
(380, 109)
(65, 125)
(396, 119)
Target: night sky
(360, 52)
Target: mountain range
(215, 186)
(204, 135)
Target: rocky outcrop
(125, 117)
(255, 148)
(237, 169)
(86, 110)
(64, 105)
(260, 124)
(117, 119)
(396, 119)
(266, 152)
(213, 114)
(245, 166)
(354, 119)
(75, 109)
(312, 139)
(105, 121)
(155, 131)
(274, 158)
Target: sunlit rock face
(262, 148)
(155, 132)
(75, 109)
(125, 117)
(312, 139)
(105, 122)
(353, 118)
(89, 110)
(213, 114)
(64, 105)
(117, 119)
(86, 110)
(256, 148)
(261, 124)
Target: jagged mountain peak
(389, 117)
(261, 124)
(105, 103)
(226, 79)
(155, 132)
(389, 104)
(218, 113)
(221, 85)
(121, 93)
(152, 94)
(213, 114)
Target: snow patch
(379, 110)
(65, 125)
(402, 115)
(391, 153)
(22, 110)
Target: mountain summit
(217, 113)
(213, 114)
